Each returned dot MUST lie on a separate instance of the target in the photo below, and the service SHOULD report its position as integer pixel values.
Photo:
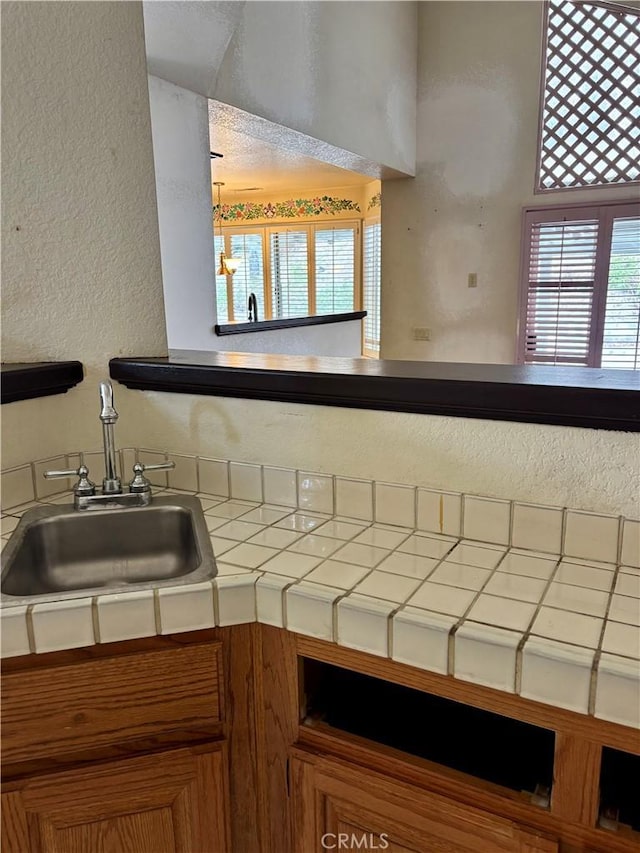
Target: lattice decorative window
(590, 116)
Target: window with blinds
(289, 273)
(223, 303)
(581, 287)
(249, 277)
(335, 269)
(371, 288)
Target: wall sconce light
(227, 265)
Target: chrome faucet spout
(111, 485)
(108, 414)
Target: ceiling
(250, 162)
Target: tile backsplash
(577, 535)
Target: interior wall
(340, 340)
(478, 104)
(81, 272)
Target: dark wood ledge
(27, 380)
(287, 323)
(585, 397)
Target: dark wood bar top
(286, 323)
(27, 380)
(566, 396)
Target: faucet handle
(83, 487)
(140, 484)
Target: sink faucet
(112, 496)
(253, 303)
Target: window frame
(373, 220)
(613, 6)
(606, 212)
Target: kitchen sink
(57, 552)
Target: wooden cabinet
(170, 801)
(340, 807)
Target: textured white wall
(180, 129)
(342, 340)
(81, 262)
(478, 101)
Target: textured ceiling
(252, 162)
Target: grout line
(30, 632)
(95, 619)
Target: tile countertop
(563, 631)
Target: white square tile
(443, 599)
(395, 504)
(213, 522)
(310, 609)
(266, 514)
(230, 509)
(382, 537)
(147, 457)
(303, 522)
(292, 565)
(409, 565)
(440, 512)
(235, 598)
(427, 547)
(557, 674)
(620, 639)
(246, 481)
(61, 625)
(340, 529)
(238, 529)
(363, 623)
(361, 555)
(94, 460)
(580, 575)
(484, 654)
(128, 458)
(567, 627)
(388, 587)
(631, 542)
(127, 615)
(17, 486)
(421, 638)
(279, 486)
(8, 524)
(467, 577)
(624, 608)
(14, 638)
(46, 488)
(22, 508)
(468, 554)
(518, 587)
(618, 691)
(272, 537)
(225, 569)
(538, 528)
(185, 474)
(249, 556)
(186, 608)
(315, 492)
(340, 575)
(207, 501)
(502, 612)
(530, 565)
(354, 498)
(628, 585)
(592, 536)
(270, 599)
(316, 546)
(486, 519)
(579, 599)
(221, 546)
(214, 476)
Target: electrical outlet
(421, 334)
(472, 279)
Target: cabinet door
(171, 801)
(341, 807)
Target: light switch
(472, 279)
(421, 334)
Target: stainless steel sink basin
(57, 552)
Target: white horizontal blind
(222, 299)
(620, 346)
(249, 277)
(289, 267)
(371, 288)
(560, 288)
(335, 269)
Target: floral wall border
(289, 209)
(375, 201)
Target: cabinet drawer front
(64, 709)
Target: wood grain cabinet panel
(337, 807)
(172, 802)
